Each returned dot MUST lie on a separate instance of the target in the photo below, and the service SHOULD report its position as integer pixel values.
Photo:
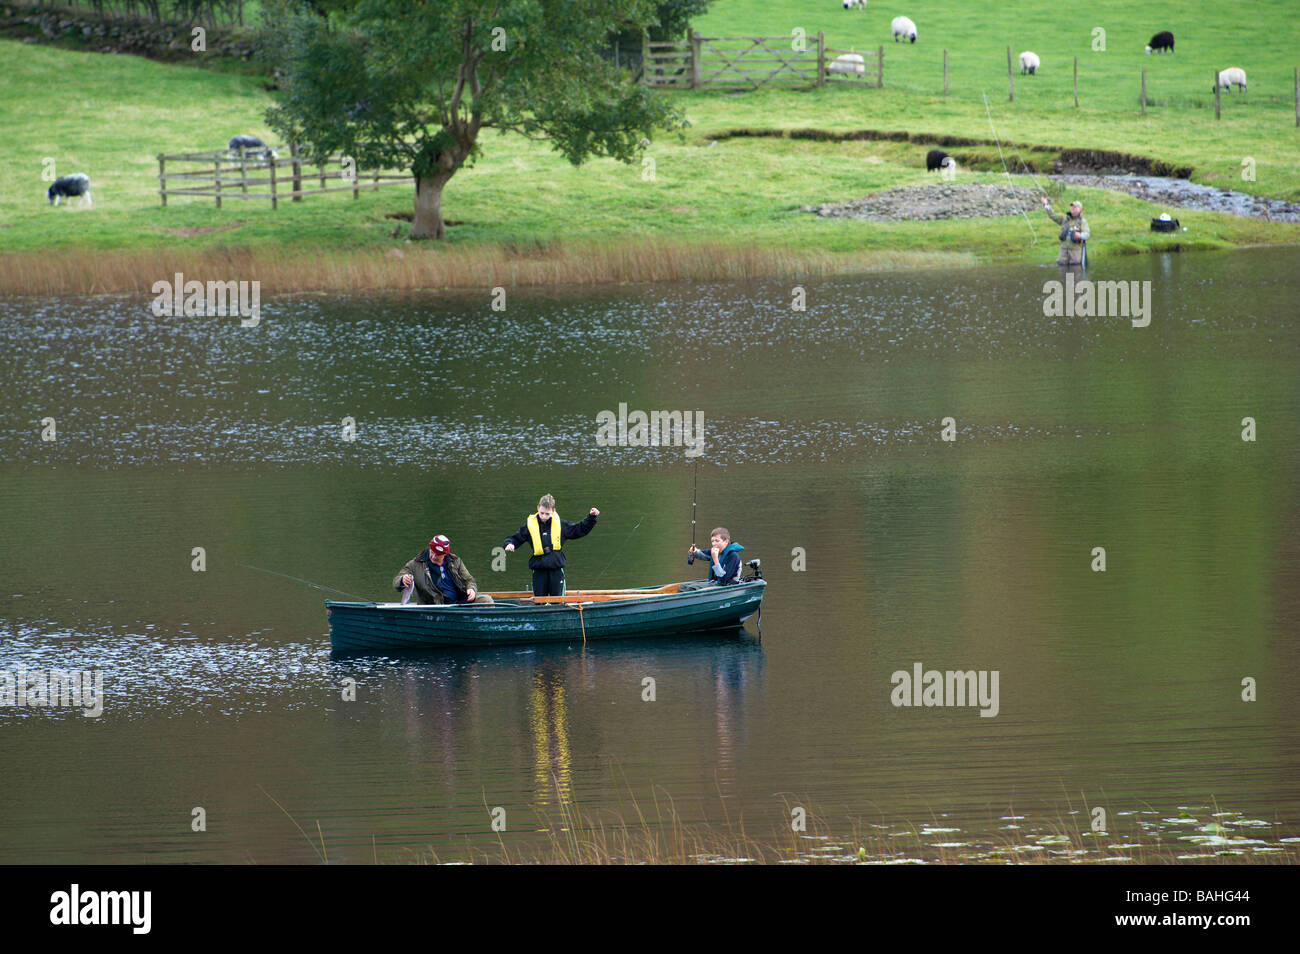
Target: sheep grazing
(1164, 40)
(850, 4)
(1232, 76)
(66, 187)
(1028, 63)
(903, 27)
(850, 63)
(938, 159)
(245, 144)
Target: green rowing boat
(518, 617)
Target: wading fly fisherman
(439, 576)
(546, 531)
(1074, 234)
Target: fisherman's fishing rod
(694, 496)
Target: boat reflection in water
(549, 704)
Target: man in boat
(547, 532)
(439, 576)
(724, 557)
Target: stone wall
(170, 42)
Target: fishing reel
(754, 565)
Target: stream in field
(885, 546)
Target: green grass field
(115, 113)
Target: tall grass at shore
(656, 835)
(480, 266)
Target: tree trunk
(427, 222)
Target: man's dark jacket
(426, 578)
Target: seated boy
(724, 558)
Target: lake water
(1120, 690)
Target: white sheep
(1232, 76)
(903, 27)
(851, 63)
(1028, 62)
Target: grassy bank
(724, 209)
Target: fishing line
(998, 141)
(622, 545)
(308, 582)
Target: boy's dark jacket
(550, 559)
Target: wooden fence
(748, 62)
(220, 176)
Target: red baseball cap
(440, 544)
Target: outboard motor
(758, 573)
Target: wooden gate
(748, 62)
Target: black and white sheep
(67, 186)
(1029, 63)
(938, 159)
(903, 27)
(1164, 40)
(850, 4)
(1232, 76)
(246, 145)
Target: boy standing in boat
(439, 576)
(546, 532)
(724, 558)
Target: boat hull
(361, 628)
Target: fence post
(376, 178)
(162, 180)
(216, 180)
(696, 50)
(821, 58)
(1011, 80)
(321, 168)
(945, 72)
(880, 67)
(243, 168)
(273, 165)
(295, 170)
(1076, 82)
(1216, 94)
(1144, 91)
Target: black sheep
(1164, 40)
(934, 159)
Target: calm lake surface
(1120, 690)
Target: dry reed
(85, 271)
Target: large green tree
(413, 83)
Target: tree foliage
(412, 83)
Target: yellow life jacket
(535, 531)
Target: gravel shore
(952, 201)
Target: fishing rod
(695, 492)
(308, 582)
(1007, 171)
